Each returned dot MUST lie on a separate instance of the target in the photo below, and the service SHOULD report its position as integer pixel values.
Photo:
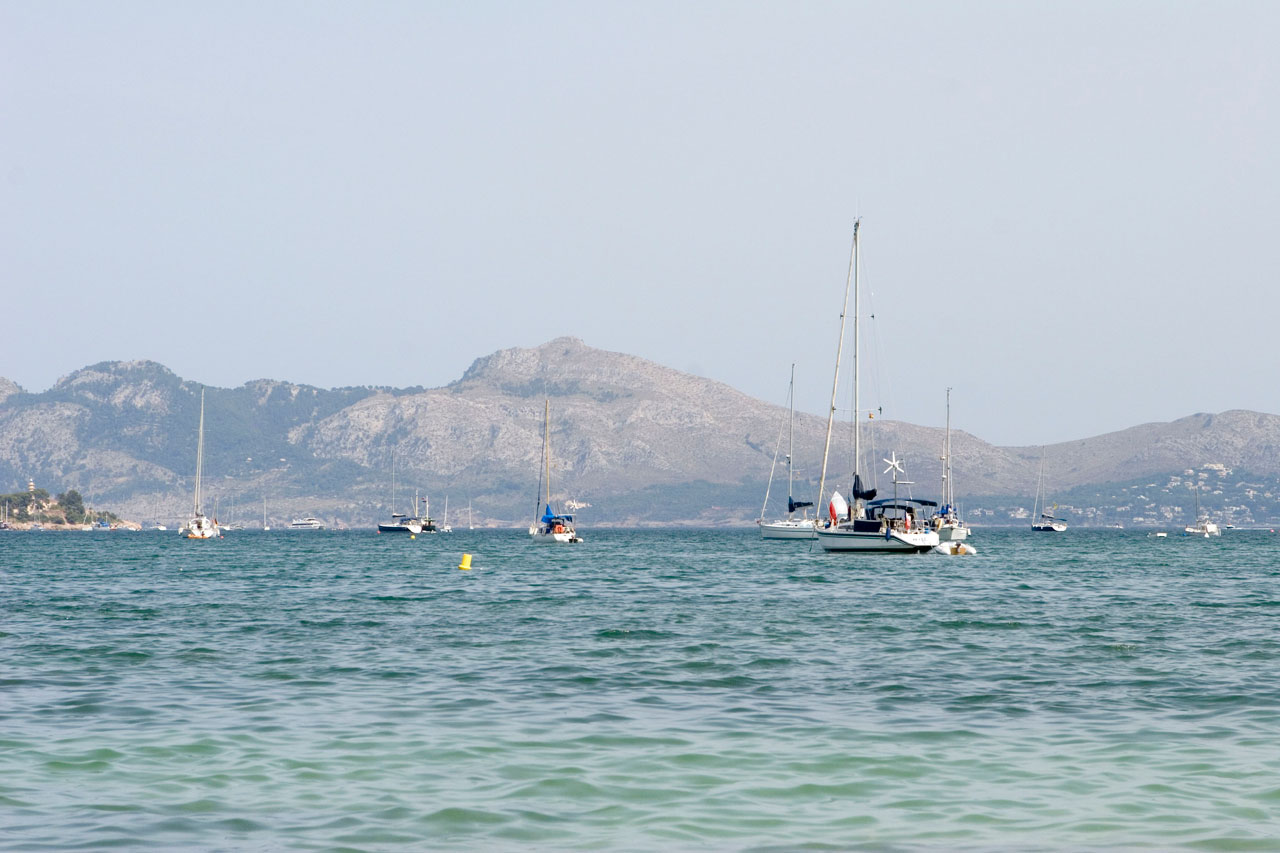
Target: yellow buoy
(465, 565)
(412, 536)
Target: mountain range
(638, 442)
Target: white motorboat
(789, 527)
(863, 524)
(308, 522)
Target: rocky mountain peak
(139, 385)
(8, 388)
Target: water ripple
(691, 690)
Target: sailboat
(863, 524)
(1203, 526)
(401, 523)
(947, 521)
(551, 527)
(444, 527)
(1045, 522)
(200, 526)
(265, 526)
(789, 527)
(470, 526)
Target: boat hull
(893, 542)
(1049, 528)
(399, 528)
(787, 529)
(567, 537)
(953, 533)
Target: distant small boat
(551, 527)
(414, 524)
(200, 526)
(1159, 534)
(947, 520)
(1203, 526)
(309, 522)
(789, 527)
(1045, 522)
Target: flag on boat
(839, 507)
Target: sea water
(646, 690)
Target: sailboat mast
(857, 423)
(947, 493)
(1035, 510)
(199, 455)
(791, 437)
(835, 382)
(546, 447)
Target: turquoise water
(643, 691)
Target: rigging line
(881, 376)
(776, 448)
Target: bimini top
(900, 503)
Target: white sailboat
(1203, 526)
(863, 524)
(265, 526)
(550, 527)
(947, 521)
(412, 524)
(470, 526)
(1045, 522)
(444, 526)
(789, 527)
(200, 526)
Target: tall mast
(1039, 486)
(791, 440)
(857, 423)
(835, 382)
(546, 447)
(199, 454)
(947, 491)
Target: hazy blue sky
(1069, 209)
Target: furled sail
(859, 493)
(793, 505)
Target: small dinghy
(954, 549)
